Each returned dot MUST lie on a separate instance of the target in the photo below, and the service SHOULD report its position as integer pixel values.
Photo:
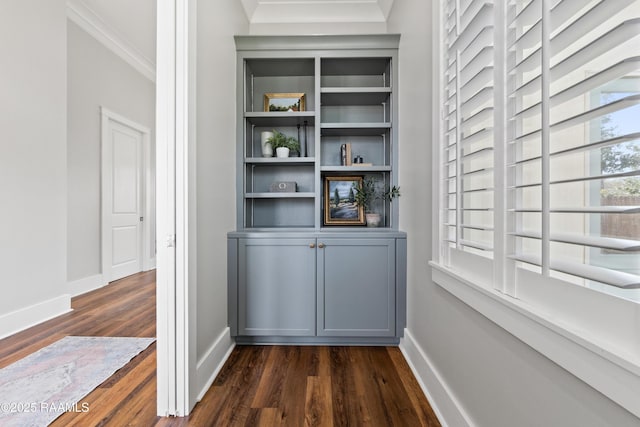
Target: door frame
(175, 210)
(106, 166)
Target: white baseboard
(211, 363)
(26, 317)
(442, 400)
(86, 284)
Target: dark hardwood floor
(258, 386)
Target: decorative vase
(267, 150)
(373, 219)
(282, 152)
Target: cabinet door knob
(312, 245)
(321, 245)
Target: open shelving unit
(350, 99)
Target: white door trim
(175, 164)
(108, 116)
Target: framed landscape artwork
(340, 207)
(285, 102)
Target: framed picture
(284, 102)
(340, 207)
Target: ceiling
(129, 27)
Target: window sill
(617, 376)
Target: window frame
(597, 340)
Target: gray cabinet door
(356, 287)
(276, 287)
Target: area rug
(35, 390)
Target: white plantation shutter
(541, 142)
(467, 179)
(574, 67)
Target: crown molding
(316, 11)
(90, 22)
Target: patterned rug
(35, 390)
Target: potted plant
(368, 193)
(283, 144)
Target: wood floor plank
(231, 400)
(391, 392)
(343, 387)
(425, 413)
(292, 402)
(318, 407)
(269, 392)
(268, 417)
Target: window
(539, 173)
(541, 141)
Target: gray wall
(215, 161)
(33, 151)
(96, 77)
(498, 380)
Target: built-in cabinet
(276, 287)
(291, 276)
(356, 284)
(321, 285)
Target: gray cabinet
(316, 286)
(356, 287)
(276, 287)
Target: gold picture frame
(344, 210)
(284, 102)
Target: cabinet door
(356, 287)
(276, 287)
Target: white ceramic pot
(282, 152)
(267, 150)
(373, 219)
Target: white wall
(96, 77)
(214, 187)
(496, 379)
(32, 158)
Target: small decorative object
(340, 207)
(367, 193)
(284, 102)
(373, 219)
(284, 187)
(345, 154)
(283, 144)
(267, 149)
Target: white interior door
(122, 175)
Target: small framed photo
(285, 102)
(340, 207)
